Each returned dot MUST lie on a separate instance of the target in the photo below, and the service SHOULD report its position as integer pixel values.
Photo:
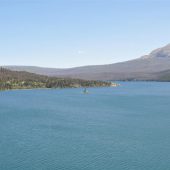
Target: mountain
(34, 69)
(149, 67)
(24, 80)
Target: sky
(70, 33)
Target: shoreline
(54, 88)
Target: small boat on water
(85, 91)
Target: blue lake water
(124, 128)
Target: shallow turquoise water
(124, 128)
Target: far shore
(112, 85)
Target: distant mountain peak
(149, 67)
(163, 52)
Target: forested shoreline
(24, 80)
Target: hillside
(148, 67)
(24, 80)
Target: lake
(123, 128)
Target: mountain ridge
(148, 67)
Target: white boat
(85, 91)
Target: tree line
(24, 80)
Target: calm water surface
(124, 128)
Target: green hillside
(24, 80)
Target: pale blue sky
(67, 33)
